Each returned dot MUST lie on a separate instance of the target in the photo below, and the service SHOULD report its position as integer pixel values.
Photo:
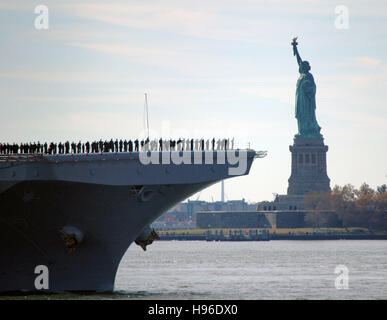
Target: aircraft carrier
(77, 214)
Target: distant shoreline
(282, 237)
(240, 234)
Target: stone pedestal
(309, 166)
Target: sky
(219, 68)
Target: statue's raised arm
(305, 100)
(295, 51)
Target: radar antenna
(146, 115)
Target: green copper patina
(305, 100)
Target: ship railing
(29, 157)
(20, 157)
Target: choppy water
(250, 270)
(255, 270)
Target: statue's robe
(306, 106)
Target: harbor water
(255, 270)
(277, 269)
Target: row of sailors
(117, 146)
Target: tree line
(347, 206)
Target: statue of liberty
(305, 100)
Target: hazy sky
(214, 68)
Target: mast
(222, 191)
(146, 113)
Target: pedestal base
(309, 168)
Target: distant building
(259, 219)
(283, 202)
(250, 219)
(184, 214)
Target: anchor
(146, 238)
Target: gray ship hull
(110, 201)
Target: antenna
(222, 194)
(146, 112)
